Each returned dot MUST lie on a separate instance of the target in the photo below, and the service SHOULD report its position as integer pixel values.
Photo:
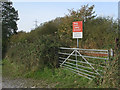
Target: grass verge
(60, 77)
(63, 78)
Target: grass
(61, 77)
(11, 69)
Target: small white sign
(77, 35)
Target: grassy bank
(60, 77)
(11, 70)
(63, 78)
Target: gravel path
(25, 83)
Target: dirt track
(24, 83)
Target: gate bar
(83, 49)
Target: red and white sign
(78, 29)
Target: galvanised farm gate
(89, 63)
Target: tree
(9, 19)
(9, 16)
(85, 13)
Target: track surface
(25, 83)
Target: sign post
(77, 43)
(78, 31)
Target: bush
(35, 50)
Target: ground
(24, 83)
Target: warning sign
(77, 29)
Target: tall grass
(111, 76)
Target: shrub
(35, 50)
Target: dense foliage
(36, 49)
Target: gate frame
(77, 53)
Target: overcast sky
(46, 11)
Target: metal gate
(89, 63)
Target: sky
(119, 10)
(29, 12)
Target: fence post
(111, 53)
(108, 54)
(58, 65)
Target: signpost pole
(76, 58)
(77, 43)
(76, 52)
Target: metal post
(111, 53)
(76, 58)
(76, 51)
(77, 43)
(108, 54)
